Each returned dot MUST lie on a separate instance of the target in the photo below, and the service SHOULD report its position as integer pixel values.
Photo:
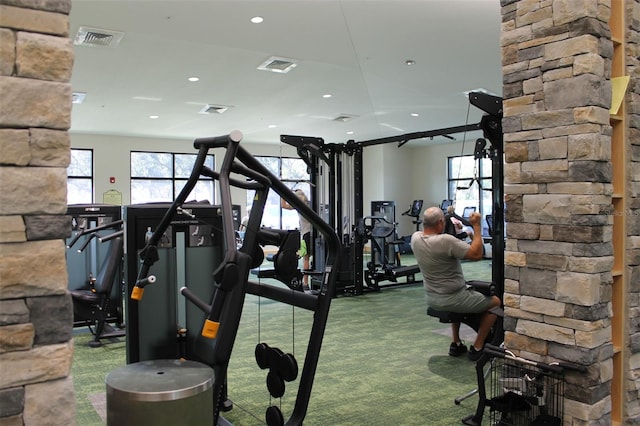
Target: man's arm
(476, 248)
(285, 205)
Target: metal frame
(223, 310)
(316, 153)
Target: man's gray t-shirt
(438, 257)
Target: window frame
(286, 219)
(90, 177)
(172, 179)
(482, 199)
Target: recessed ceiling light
(272, 126)
(415, 114)
(146, 98)
(257, 19)
(153, 117)
(194, 78)
(327, 95)
(350, 132)
(410, 62)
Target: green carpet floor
(383, 362)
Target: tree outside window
(80, 177)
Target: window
(293, 172)
(467, 191)
(159, 177)
(80, 177)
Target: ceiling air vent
(87, 36)
(277, 64)
(78, 97)
(213, 109)
(343, 118)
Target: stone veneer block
(7, 51)
(34, 103)
(50, 148)
(37, 21)
(51, 330)
(513, 340)
(34, 268)
(52, 402)
(553, 262)
(542, 306)
(546, 208)
(578, 288)
(550, 333)
(523, 231)
(41, 363)
(33, 190)
(43, 57)
(590, 265)
(579, 91)
(14, 147)
(16, 337)
(11, 403)
(48, 227)
(589, 63)
(12, 229)
(59, 6)
(13, 311)
(553, 148)
(593, 339)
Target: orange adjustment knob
(137, 293)
(210, 329)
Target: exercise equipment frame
(224, 308)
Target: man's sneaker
(457, 349)
(474, 354)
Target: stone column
(36, 314)
(558, 185)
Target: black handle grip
(218, 141)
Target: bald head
(432, 217)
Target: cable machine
(337, 176)
(220, 304)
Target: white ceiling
(353, 49)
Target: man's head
(301, 195)
(433, 219)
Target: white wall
(390, 173)
(111, 159)
(429, 169)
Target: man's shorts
(307, 241)
(464, 301)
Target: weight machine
(385, 263)
(221, 304)
(95, 270)
(336, 172)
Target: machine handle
(138, 289)
(218, 141)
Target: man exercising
(305, 234)
(438, 256)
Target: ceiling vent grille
(214, 109)
(277, 64)
(78, 97)
(343, 118)
(87, 36)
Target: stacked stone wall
(557, 58)
(36, 314)
(632, 42)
